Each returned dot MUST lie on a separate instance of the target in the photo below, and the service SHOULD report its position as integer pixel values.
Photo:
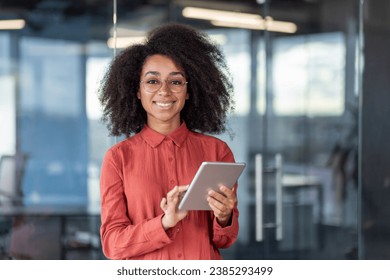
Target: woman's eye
(176, 82)
(153, 82)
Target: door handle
(279, 196)
(259, 196)
(259, 171)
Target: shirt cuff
(154, 231)
(227, 230)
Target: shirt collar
(154, 138)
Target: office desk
(305, 225)
(293, 183)
(52, 231)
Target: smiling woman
(167, 91)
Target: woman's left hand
(222, 204)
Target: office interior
(311, 121)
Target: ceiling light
(239, 20)
(280, 26)
(12, 24)
(124, 42)
(267, 24)
(219, 15)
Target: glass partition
(50, 159)
(298, 90)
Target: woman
(164, 95)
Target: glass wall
(297, 79)
(52, 138)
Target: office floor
(338, 243)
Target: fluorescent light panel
(270, 25)
(124, 42)
(208, 14)
(280, 26)
(12, 24)
(239, 20)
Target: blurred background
(311, 82)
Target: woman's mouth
(164, 104)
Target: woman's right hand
(170, 204)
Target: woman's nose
(164, 89)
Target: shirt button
(177, 230)
(170, 158)
(172, 181)
(179, 255)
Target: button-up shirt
(136, 174)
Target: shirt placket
(173, 181)
(172, 164)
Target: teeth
(164, 104)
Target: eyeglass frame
(167, 82)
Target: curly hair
(208, 77)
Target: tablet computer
(210, 175)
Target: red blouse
(136, 174)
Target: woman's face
(163, 92)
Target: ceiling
(71, 8)
(40, 15)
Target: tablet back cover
(210, 175)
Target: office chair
(11, 195)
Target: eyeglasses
(175, 85)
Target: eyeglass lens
(174, 85)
